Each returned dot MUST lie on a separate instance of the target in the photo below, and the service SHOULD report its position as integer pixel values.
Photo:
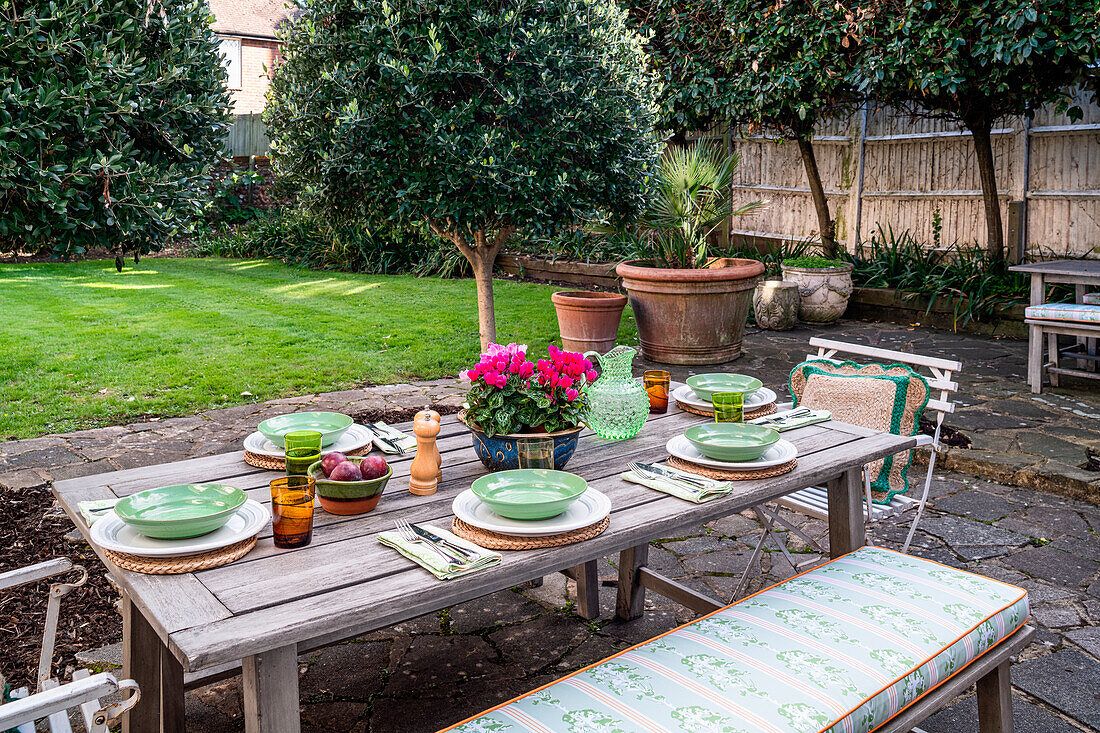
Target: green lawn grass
(86, 346)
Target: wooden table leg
(148, 662)
(847, 531)
(995, 701)
(588, 590)
(270, 690)
(630, 602)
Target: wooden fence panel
(247, 137)
(914, 167)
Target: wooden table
(1083, 275)
(259, 613)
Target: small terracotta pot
(691, 316)
(588, 321)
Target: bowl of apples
(350, 485)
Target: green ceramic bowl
(529, 493)
(179, 512)
(705, 385)
(331, 425)
(348, 497)
(730, 441)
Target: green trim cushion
(888, 397)
(811, 654)
(1076, 312)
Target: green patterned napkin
(96, 509)
(679, 489)
(405, 441)
(422, 555)
(778, 423)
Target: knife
(432, 537)
(676, 475)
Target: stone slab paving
(1025, 525)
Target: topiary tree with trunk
(775, 67)
(479, 117)
(111, 115)
(975, 62)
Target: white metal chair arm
(59, 699)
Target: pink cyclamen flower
(590, 376)
(572, 394)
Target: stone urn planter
(775, 305)
(588, 321)
(691, 316)
(823, 290)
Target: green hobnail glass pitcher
(618, 404)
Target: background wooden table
(260, 612)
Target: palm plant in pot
(690, 306)
(511, 397)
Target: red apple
(346, 471)
(331, 461)
(373, 467)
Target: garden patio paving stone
(1014, 528)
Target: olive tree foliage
(478, 117)
(111, 114)
(977, 61)
(775, 68)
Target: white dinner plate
(591, 507)
(780, 453)
(755, 401)
(111, 533)
(353, 438)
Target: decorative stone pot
(588, 321)
(691, 316)
(500, 452)
(775, 305)
(824, 291)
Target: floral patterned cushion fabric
(811, 654)
(1081, 313)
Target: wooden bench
(872, 641)
(1046, 322)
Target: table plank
(1071, 268)
(358, 607)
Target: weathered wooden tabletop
(1062, 270)
(346, 582)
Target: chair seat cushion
(841, 648)
(1091, 298)
(1077, 312)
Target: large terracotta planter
(691, 316)
(823, 291)
(588, 321)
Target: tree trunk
(983, 152)
(482, 262)
(817, 192)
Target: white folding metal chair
(814, 501)
(52, 700)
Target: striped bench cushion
(1077, 312)
(841, 648)
(1091, 299)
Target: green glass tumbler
(729, 407)
(302, 448)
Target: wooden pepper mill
(425, 472)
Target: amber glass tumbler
(656, 385)
(292, 511)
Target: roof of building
(248, 17)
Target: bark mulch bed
(33, 531)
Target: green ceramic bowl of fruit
(707, 385)
(331, 425)
(350, 485)
(531, 493)
(179, 512)
(730, 441)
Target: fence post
(856, 196)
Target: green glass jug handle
(590, 354)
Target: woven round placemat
(274, 463)
(767, 409)
(494, 541)
(177, 565)
(717, 473)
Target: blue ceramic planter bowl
(499, 453)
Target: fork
(385, 439)
(409, 536)
(800, 412)
(636, 468)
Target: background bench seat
(843, 647)
(1076, 312)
